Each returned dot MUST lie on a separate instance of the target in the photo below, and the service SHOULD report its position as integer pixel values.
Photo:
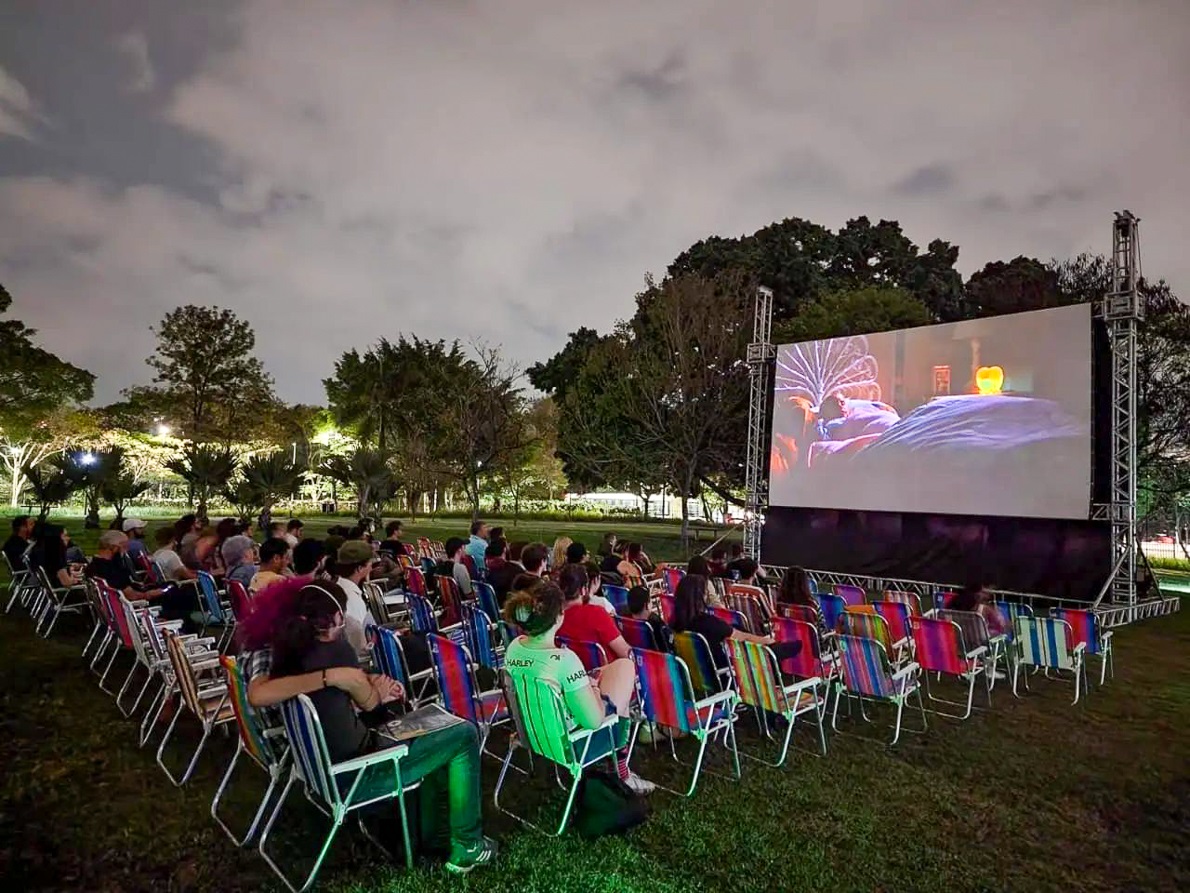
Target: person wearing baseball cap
(353, 564)
(135, 529)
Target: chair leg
(202, 742)
(149, 723)
(107, 670)
(136, 665)
(274, 780)
(326, 845)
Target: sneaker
(639, 785)
(997, 674)
(480, 854)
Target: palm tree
(205, 469)
(121, 490)
(367, 472)
(267, 480)
(91, 470)
(51, 486)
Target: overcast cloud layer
(509, 170)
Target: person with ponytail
(310, 639)
(589, 699)
(583, 621)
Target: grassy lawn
(1031, 795)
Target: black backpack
(607, 806)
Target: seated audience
(589, 700)
(239, 559)
(795, 589)
(134, 529)
(737, 558)
(638, 609)
(18, 542)
(558, 554)
(595, 594)
(308, 557)
(276, 531)
(718, 562)
(690, 615)
(352, 566)
(583, 621)
(607, 545)
(108, 565)
(293, 532)
(533, 559)
(274, 564)
(168, 560)
(50, 554)
(453, 565)
(391, 544)
(576, 553)
(632, 568)
(975, 597)
(478, 544)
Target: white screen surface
(981, 417)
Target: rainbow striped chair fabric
(832, 607)
(617, 595)
(590, 653)
(733, 618)
(1084, 627)
(704, 672)
(751, 603)
(896, 615)
(486, 595)
(758, 684)
(812, 661)
(940, 648)
(638, 633)
(1011, 611)
(205, 699)
(389, 656)
(1050, 644)
(867, 674)
(667, 698)
(909, 599)
(670, 578)
(667, 608)
(268, 749)
(853, 595)
(976, 633)
(481, 637)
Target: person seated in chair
(638, 609)
(690, 615)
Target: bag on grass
(607, 806)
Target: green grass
(1031, 795)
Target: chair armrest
(799, 687)
(977, 652)
(998, 640)
(210, 691)
(140, 603)
(710, 700)
(1105, 635)
(204, 665)
(388, 755)
(907, 670)
(1079, 648)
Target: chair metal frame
(1049, 641)
(477, 716)
(1098, 641)
(758, 685)
(388, 654)
(900, 683)
(960, 661)
(196, 696)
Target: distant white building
(660, 505)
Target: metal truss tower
(760, 357)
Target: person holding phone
(108, 565)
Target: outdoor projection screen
(982, 417)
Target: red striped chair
(896, 615)
(868, 675)
(863, 620)
(909, 599)
(735, 619)
(638, 633)
(670, 578)
(590, 653)
(940, 649)
(667, 608)
(752, 603)
(205, 699)
(452, 599)
(459, 690)
(811, 662)
(701, 667)
(667, 699)
(1084, 628)
(853, 595)
(759, 685)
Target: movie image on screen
(981, 417)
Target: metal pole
(760, 356)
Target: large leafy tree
(855, 312)
(1023, 283)
(205, 469)
(555, 375)
(366, 472)
(207, 384)
(266, 480)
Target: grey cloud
(135, 48)
(928, 180)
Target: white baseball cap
(134, 524)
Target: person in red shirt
(583, 621)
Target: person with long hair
(49, 553)
(795, 589)
(589, 699)
(558, 555)
(294, 644)
(690, 615)
(635, 564)
(586, 622)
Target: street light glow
(87, 458)
(163, 430)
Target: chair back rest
(896, 615)
(866, 668)
(479, 631)
(151, 636)
(909, 599)
(670, 578)
(158, 572)
(438, 550)
(853, 595)
(388, 654)
(590, 653)
(540, 717)
(695, 654)
(666, 693)
(452, 598)
(97, 600)
(808, 661)
(145, 565)
(617, 595)
(373, 594)
(183, 672)
(1045, 642)
(311, 758)
(974, 627)
(1084, 627)
(832, 609)
(132, 622)
(754, 667)
(866, 624)
(486, 594)
(509, 631)
(940, 647)
(745, 601)
(804, 613)
(941, 598)
(415, 582)
(735, 618)
(638, 633)
(1011, 611)
(421, 614)
(424, 548)
(117, 619)
(667, 608)
(241, 601)
(456, 679)
(210, 596)
(249, 730)
(473, 570)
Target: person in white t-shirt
(353, 563)
(168, 560)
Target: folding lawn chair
(975, 634)
(940, 648)
(206, 700)
(812, 661)
(638, 633)
(752, 604)
(460, 692)
(486, 594)
(853, 595)
(1085, 628)
(707, 677)
(617, 595)
(591, 654)
(216, 611)
(481, 637)
(868, 675)
(758, 684)
(1050, 644)
(389, 656)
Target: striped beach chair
(670, 578)
(896, 615)
(545, 727)
(452, 599)
(206, 700)
(853, 595)
(590, 653)
(812, 661)
(482, 637)
(337, 789)
(1084, 627)
(976, 633)
(667, 608)
(735, 619)
(702, 668)
(868, 675)
(638, 633)
(267, 749)
(863, 620)
(1050, 644)
(758, 684)
(909, 599)
(752, 603)
(617, 595)
(459, 690)
(832, 607)
(389, 656)
(216, 610)
(485, 593)
(667, 698)
(940, 648)
(1011, 611)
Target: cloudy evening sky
(509, 169)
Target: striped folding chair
(896, 615)
(389, 656)
(56, 601)
(101, 632)
(909, 599)
(638, 633)
(452, 599)
(868, 675)
(205, 700)
(120, 637)
(266, 748)
(941, 598)
(590, 653)
(415, 582)
(17, 581)
(832, 609)
(853, 595)
(804, 613)
(145, 657)
(752, 604)
(1050, 644)
(424, 620)
(1011, 611)
(486, 594)
(812, 661)
(199, 651)
(940, 648)
(670, 578)
(460, 692)
(474, 571)
(975, 634)
(701, 666)
(337, 788)
(1084, 626)
(216, 611)
(667, 608)
(239, 599)
(759, 685)
(544, 726)
(667, 698)
(617, 595)
(734, 618)
(481, 637)
(863, 621)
